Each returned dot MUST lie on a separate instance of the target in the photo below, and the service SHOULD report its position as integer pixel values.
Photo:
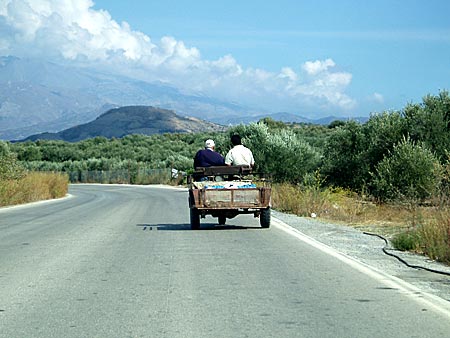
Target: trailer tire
(195, 219)
(222, 219)
(264, 218)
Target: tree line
(395, 155)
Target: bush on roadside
(306, 198)
(406, 241)
(435, 236)
(342, 164)
(10, 168)
(280, 152)
(431, 237)
(410, 172)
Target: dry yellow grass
(430, 224)
(344, 206)
(33, 187)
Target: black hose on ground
(402, 260)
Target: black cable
(402, 260)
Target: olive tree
(409, 172)
(280, 152)
(429, 122)
(342, 164)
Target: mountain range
(123, 121)
(38, 96)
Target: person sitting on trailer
(208, 157)
(239, 154)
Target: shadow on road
(184, 227)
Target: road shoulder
(369, 250)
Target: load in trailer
(227, 191)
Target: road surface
(121, 261)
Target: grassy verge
(422, 229)
(33, 187)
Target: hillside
(38, 96)
(118, 122)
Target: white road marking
(32, 204)
(433, 302)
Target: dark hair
(236, 140)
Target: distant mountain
(283, 117)
(123, 121)
(38, 96)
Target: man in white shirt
(239, 155)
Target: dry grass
(434, 236)
(428, 226)
(344, 206)
(33, 187)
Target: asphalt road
(120, 261)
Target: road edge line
(437, 303)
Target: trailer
(227, 191)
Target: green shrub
(429, 122)
(381, 133)
(410, 172)
(10, 169)
(406, 241)
(281, 152)
(341, 160)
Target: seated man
(239, 154)
(208, 157)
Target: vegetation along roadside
(390, 174)
(19, 186)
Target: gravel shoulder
(369, 250)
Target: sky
(313, 58)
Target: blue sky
(319, 57)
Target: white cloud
(70, 28)
(317, 67)
(288, 73)
(377, 97)
(73, 30)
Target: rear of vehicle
(225, 192)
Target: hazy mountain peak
(118, 122)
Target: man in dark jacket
(208, 157)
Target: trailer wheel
(264, 218)
(222, 219)
(195, 219)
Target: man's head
(209, 144)
(236, 140)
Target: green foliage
(354, 151)
(336, 123)
(291, 158)
(431, 237)
(409, 172)
(349, 154)
(381, 133)
(4, 149)
(342, 163)
(406, 241)
(10, 169)
(429, 122)
(272, 124)
(280, 152)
